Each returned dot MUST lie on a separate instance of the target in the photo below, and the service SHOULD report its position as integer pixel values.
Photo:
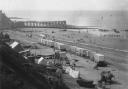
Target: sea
(104, 19)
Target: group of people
(29, 35)
(4, 36)
(107, 78)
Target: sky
(63, 5)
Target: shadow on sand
(80, 66)
(115, 83)
(85, 83)
(89, 83)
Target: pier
(41, 24)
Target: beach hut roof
(14, 44)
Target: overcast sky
(64, 4)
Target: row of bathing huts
(93, 56)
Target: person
(53, 38)
(57, 55)
(73, 64)
(59, 76)
(102, 82)
(103, 76)
(1, 35)
(110, 77)
(106, 77)
(6, 36)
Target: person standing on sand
(73, 64)
(59, 76)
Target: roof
(14, 44)
(99, 54)
(43, 52)
(40, 59)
